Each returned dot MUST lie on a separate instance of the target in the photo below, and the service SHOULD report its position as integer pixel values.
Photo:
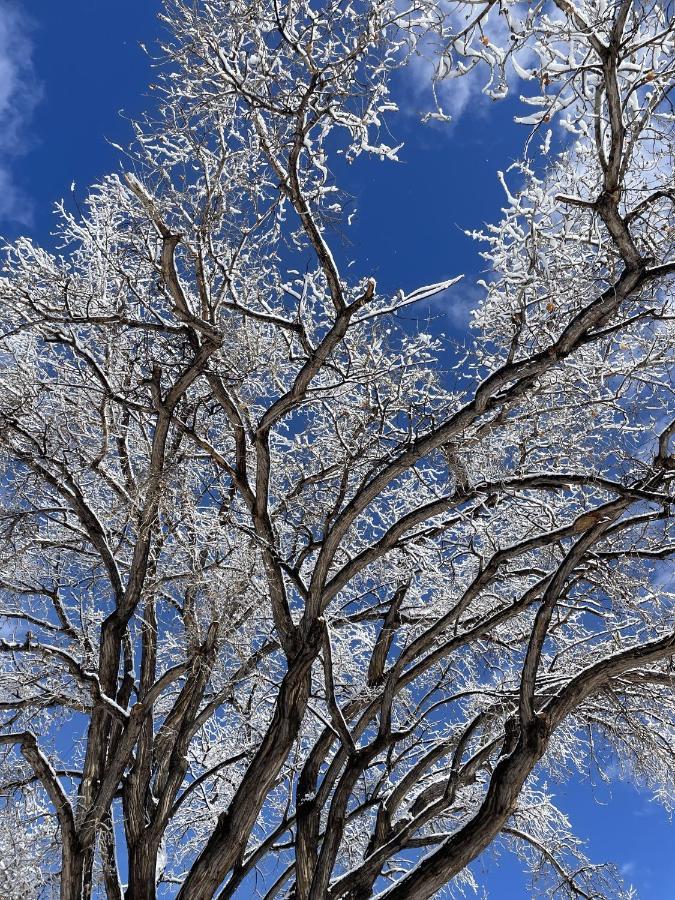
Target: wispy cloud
(469, 92)
(20, 91)
(457, 303)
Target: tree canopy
(284, 610)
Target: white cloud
(454, 95)
(19, 94)
(457, 303)
(471, 92)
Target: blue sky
(67, 69)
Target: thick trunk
(142, 872)
(228, 842)
(308, 822)
(72, 876)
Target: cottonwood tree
(285, 610)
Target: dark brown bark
(454, 854)
(227, 844)
(142, 871)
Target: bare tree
(282, 612)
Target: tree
(282, 612)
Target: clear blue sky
(66, 74)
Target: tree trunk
(72, 876)
(229, 839)
(142, 872)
